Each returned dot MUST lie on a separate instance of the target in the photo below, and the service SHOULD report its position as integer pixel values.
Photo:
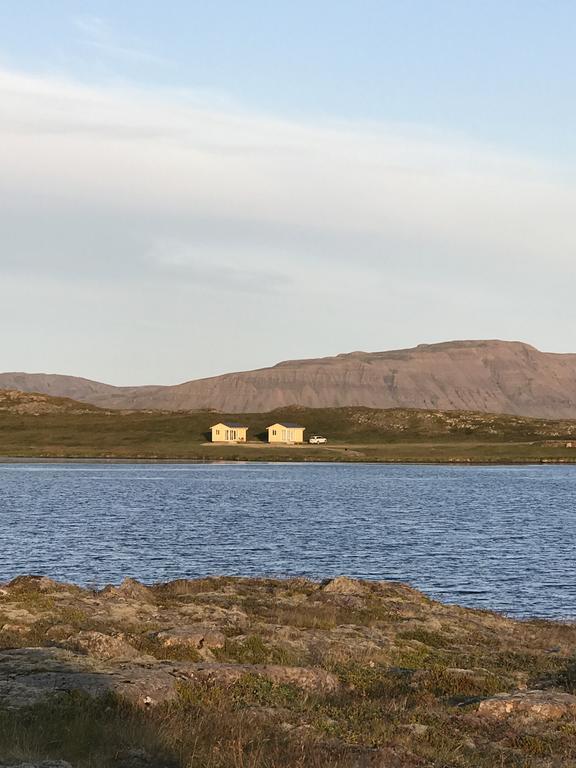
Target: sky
(194, 187)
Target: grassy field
(33, 426)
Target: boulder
(535, 704)
(101, 646)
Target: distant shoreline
(561, 461)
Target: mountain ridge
(492, 376)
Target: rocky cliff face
(491, 376)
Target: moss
(150, 645)
(255, 650)
(566, 678)
(444, 683)
(424, 636)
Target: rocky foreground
(249, 673)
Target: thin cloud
(320, 237)
(154, 155)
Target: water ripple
(491, 537)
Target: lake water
(493, 537)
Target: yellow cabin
(286, 433)
(229, 432)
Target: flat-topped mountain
(489, 376)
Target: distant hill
(486, 376)
(35, 404)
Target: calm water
(496, 537)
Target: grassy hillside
(37, 425)
(35, 404)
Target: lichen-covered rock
(540, 705)
(30, 676)
(214, 615)
(101, 646)
(196, 637)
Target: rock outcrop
(30, 676)
(347, 673)
(100, 645)
(540, 705)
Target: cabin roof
(235, 424)
(287, 424)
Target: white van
(317, 440)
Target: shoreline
(400, 461)
(279, 579)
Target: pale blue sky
(499, 70)
(205, 186)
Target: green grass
(207, 729)
(355, 434)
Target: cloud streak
(157, 191)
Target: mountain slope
(489, 376)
